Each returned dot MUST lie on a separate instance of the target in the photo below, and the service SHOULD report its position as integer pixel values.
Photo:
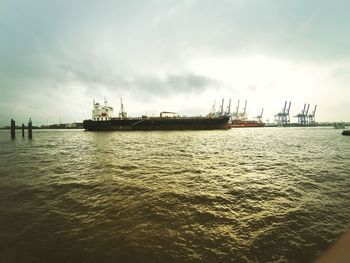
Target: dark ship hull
(158, 124)
(346, 132)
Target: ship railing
(174, 117)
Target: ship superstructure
(101, 112)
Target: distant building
(74, 125)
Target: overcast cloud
(57, 56)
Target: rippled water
(243, 195)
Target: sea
(240, 195)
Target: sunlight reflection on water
(243, 195)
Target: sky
(166, 55)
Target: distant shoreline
(75, 125)
(78, 126)
(44, 128)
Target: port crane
(244, 113)
(240, 115)
(214, 113)
(228, 110)
(282, 118)
(303, 115)
(259, 117)
(235, 115)
(312, 116)
(222, 107)
(300, 115)
(306, 120)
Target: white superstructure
(101, 112)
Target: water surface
(243, 195)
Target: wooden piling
(13, 129)
(22, 129)
(30, 135)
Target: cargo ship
(246, 124)
(240, 119)
(103, 120)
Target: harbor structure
(282, 118)
(304, 118)
(260, 116)
(240, 119)
(13, 129)
(30, 129)
(220, 112)
(312, 116)
(235, 115)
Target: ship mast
(122, 112)
(105, 100)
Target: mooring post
(30, 135)
(22, 129)
(13, 129)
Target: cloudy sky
(57, 56)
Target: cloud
(145, 48)
(147, 85)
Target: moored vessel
(103, 120)
(246, 124)
(346, 132)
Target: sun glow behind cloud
(172, 55)
(267, 82)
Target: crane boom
(245, 108)
(289, 107)
(229, 107)
(237, 109)
(307, 110)
(284, 109)
(302, 113)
